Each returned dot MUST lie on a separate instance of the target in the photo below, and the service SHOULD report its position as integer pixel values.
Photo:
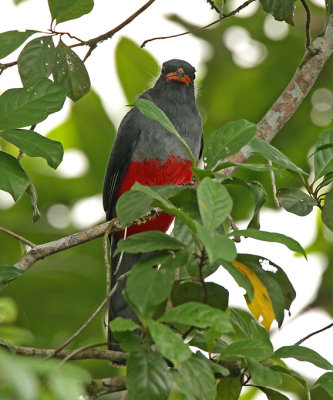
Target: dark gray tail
(118, 306)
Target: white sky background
(304, 275)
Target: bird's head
(177, 72)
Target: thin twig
(18, 237)
(313, 333)
(213, 6)
(272, 176)
(222, 17)
(92, 43)
(121, 256)
(307, 25)
(93, 315)
(5, 66)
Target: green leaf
(199, 315)
(135, 68)
(168, 343)
(215, 203)
(65, 10)
(250, 166)
(8, 273)
(326, 382)
(152, 111)
(70, 72)
(302, 353)
(216, 295)
(13, 178)
(259, 198)
(252, 348)
(264, 149)
(229, 389)
(294, 200)
(35, 145)
(217, 246)
(262, 375)
(32, 193)
(228, 140)
(282, 10)
(122, 324)
(323, 159)
(241, 279)
(272, 394)
(292, 244)
(147, 286)
(28, 106)
(36, 60)
(148, 241)
(147, 376)
(327, 212)
(195, 379)
(11, 40)
(8, 310)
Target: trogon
(145, 152)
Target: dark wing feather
(120, 158)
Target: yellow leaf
(261, 304)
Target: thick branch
(99, 387)
(41, 251)
(87, 354)
(294, 94)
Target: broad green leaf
(8, 273)
(262, 375)
(215, 203)
(327, 213)
(228, 140)
(147, 376)
(319, 393)
(8, 310)
(212, 294)
(199, 315)
(217, 246)
(13, 178)
(326, 382)
(152, 111)
(282, 10)
(294, 200)
(228, 389)
(28, 106)
(65, 10)
(195, 379)
(323, 159)
(149, 241)
(11, 40)
(168, 343)
(120, 324)
(135, 68)
(259, 198)
(272, 394)
(198, 340)
(250, 166)
(247, 349)
(147, 286)
(70, 72)
(36, 60)
(302, 353)
(35, 145)
(292, 244)
(264, 149)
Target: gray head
(176, 73)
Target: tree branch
(313, 333)
(294, 94)
(98, 387)
(39, 252)
(86, 354)
(16, 236)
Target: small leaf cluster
(181, 315)
(40, 96)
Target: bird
(145, 152)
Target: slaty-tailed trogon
(147, 153)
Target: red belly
(151, 173)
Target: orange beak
(178, 76)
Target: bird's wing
(120, 158)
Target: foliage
(176, 307)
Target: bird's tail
(118, 306)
